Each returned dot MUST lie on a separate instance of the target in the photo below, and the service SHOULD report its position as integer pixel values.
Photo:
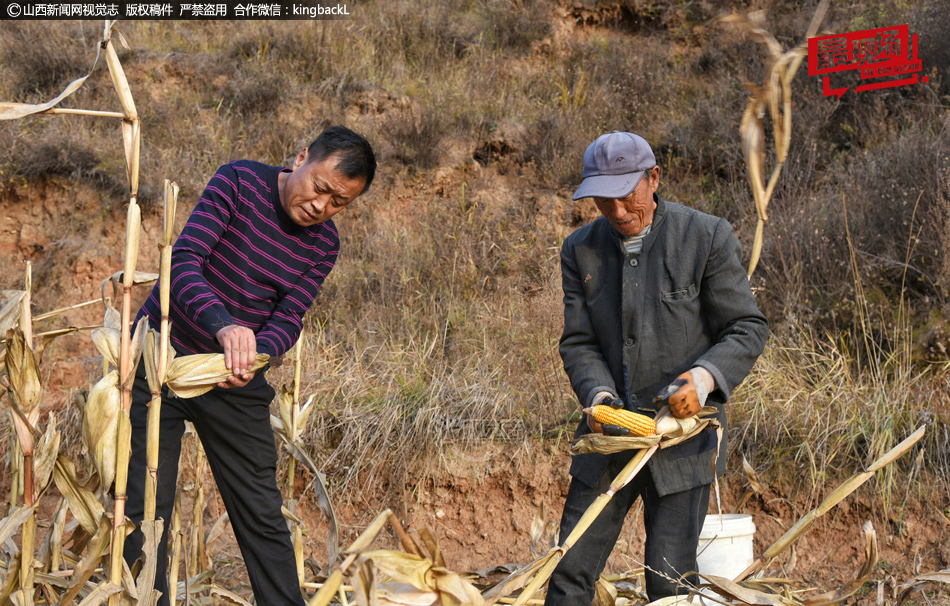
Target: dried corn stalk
(776, 94)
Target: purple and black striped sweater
(241, 260)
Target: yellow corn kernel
(639, 425)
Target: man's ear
(301, 158)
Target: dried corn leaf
(538, 524)
(605, 594)
(10, 309)
(303, 416)
(191, 376)
(846, 591)
(752, 477)
(22, 597)
(217, 529)
(838, 495)
(734, 591)
(435, 552)
(363, 580)
(920, 581)
(44, 458)
(98, 546)
(298, 553)
(10, 524)
(53, 543)
(454, 590)
(753, 145)
(100, 422)
(152, 532)
(86, 508)
(228, 596)
(100, 594)
(11, 581)
(323, 498)
(14, 111)
(513, 582)
(139, 277)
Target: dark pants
(235, 431)
(673, 524)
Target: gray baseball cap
(613, 165)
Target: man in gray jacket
(656, 301)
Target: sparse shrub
(519, 24)
(414, 138)
(43, 60)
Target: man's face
(629, 215)
(316, 190)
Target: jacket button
(633, 262)
(629, 342)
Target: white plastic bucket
(725, 545)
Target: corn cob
(639, 425)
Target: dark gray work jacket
(634, 322)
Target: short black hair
(356, 154)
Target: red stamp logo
(875, 53)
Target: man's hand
(240, 351)
(610, 430)
(686, 395)
(237, 381)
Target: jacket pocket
(679, 294)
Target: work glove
(609, 430)
(685, 396)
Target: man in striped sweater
(245, 270)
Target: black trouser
(672, 524)
(235, 431)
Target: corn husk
(670, 431)
(108, 338)
(24, 375)
(151, 356)
(192, 376)
(44, 459)
(100, 425)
